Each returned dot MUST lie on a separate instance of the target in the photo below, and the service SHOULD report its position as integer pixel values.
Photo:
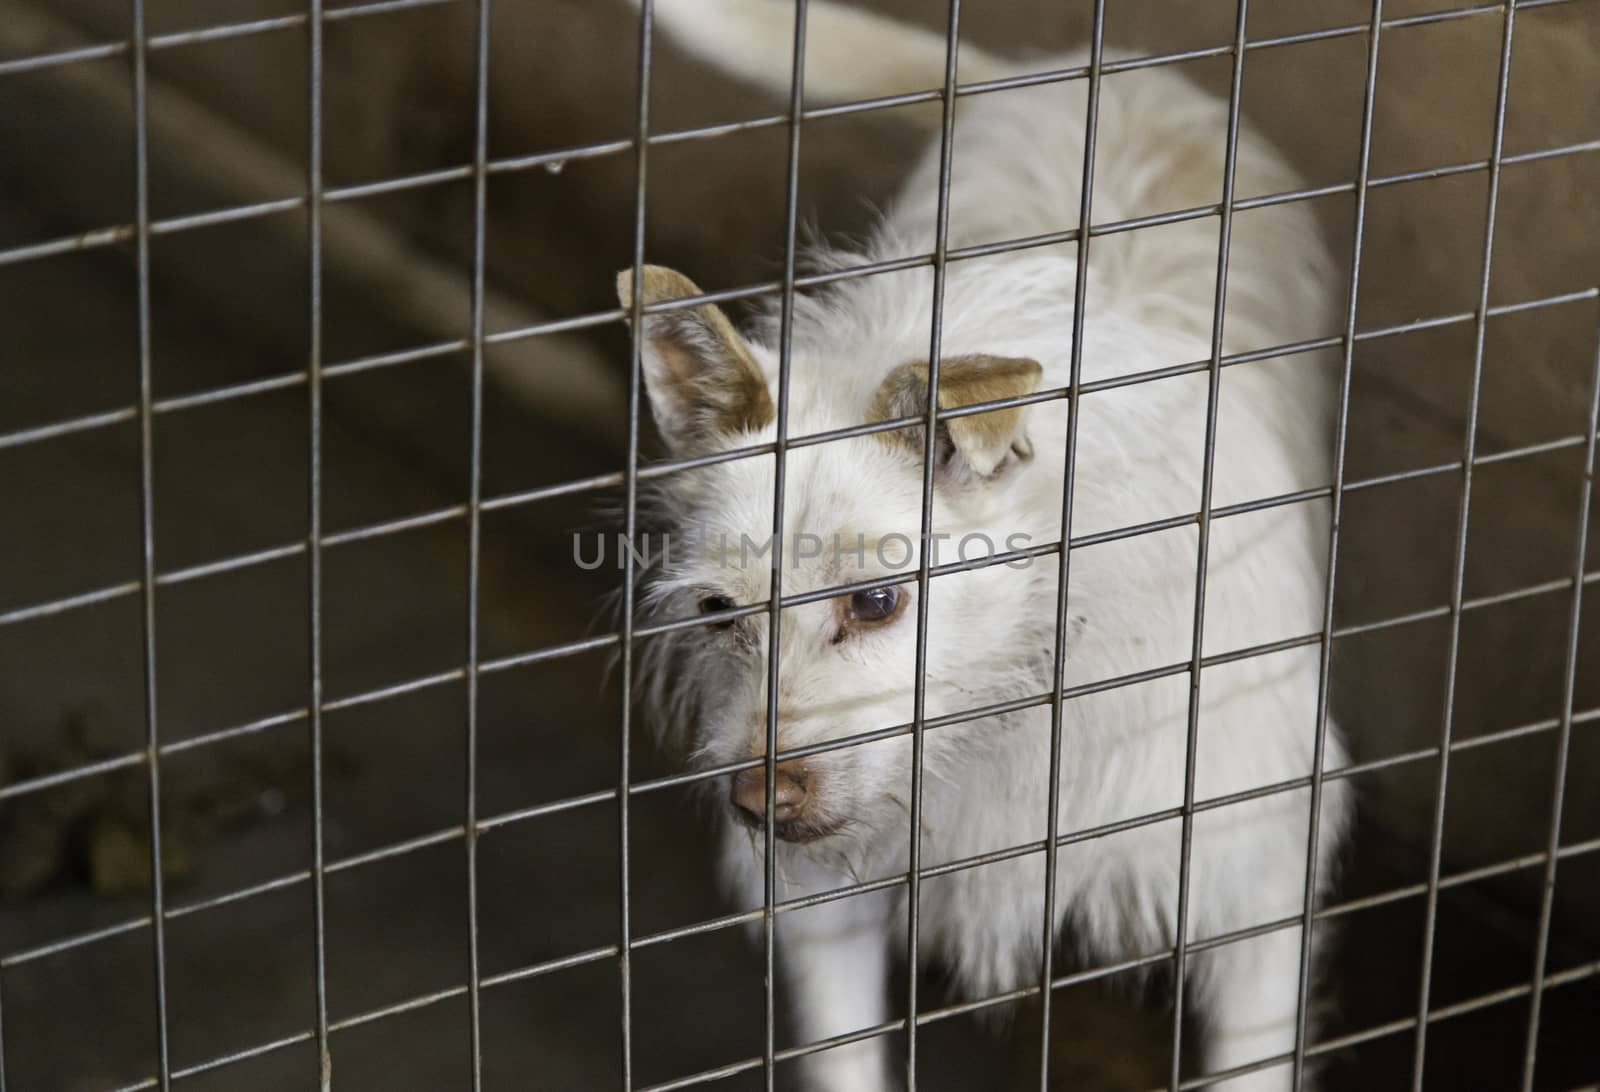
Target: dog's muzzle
(794, 811)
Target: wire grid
(137, 47)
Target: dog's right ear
(974, 446)
(703, 381)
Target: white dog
(859, 352)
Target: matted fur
(1150, 294)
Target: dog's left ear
(704, 383)
(975, 444)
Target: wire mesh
(317, 196)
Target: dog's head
(852, 512)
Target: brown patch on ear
(981, 440)
(703, 380)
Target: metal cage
(322, 1027)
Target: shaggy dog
(853, 514)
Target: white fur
(1017, 160)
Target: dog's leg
(1248, 993)
(835, 961)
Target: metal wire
(1564, 739)
(1325, 654)
(941, 237)
(314, 46)
(147, 533)
(480, 205)
(1470, 443)
(1208, 469)
(641, 144)
(1080, 282)
(769, 859)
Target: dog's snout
(788, 792)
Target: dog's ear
(702, 380)
(975, 444)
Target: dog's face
(852, 515)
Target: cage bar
(1203, 523)
(1470, 445)
(1080, 285)
(941, 236)
(780, 478)
(319, 902)
(1325, 654)
(147, 536)
(474, 506)
(641, 146)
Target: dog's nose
(788, 792)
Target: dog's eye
(716, 604)
(877, 605)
